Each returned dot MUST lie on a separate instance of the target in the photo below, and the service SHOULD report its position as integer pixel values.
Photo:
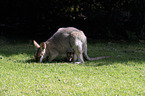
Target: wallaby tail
(88, 58)
(96, 58)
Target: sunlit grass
(123, 74)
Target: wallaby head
(70, 56)
(40, 51)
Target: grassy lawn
(123, 74)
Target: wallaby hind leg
(80, 57)
(79, 52)
(77, 47)
(75, 59)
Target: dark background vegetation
(99, 19)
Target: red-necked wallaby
(61, 42)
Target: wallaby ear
(36, 44)
(43, 45)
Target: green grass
(123, 74)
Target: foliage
(123, 74)
(102, 19)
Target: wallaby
(61, 42)
(69, 56)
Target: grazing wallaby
(61, 42)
